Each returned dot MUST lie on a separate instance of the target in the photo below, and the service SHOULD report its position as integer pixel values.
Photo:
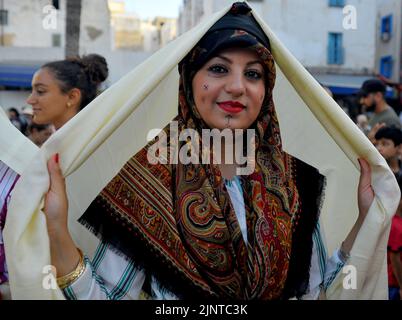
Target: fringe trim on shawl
(99, 219)
(311, 185)
(133, 246)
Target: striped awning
(342, 84)
(19, 76)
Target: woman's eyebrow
(39, 84)
(224, 58)
(254, 62)
(230, 61)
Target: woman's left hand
(365, 197)
(365, 190)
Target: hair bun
(96, 67)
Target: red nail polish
(56, 158)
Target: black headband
(240, 18)
(237, 28)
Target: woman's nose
(236, 85)
(30, 99)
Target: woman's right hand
(63, 251)
(56, 203)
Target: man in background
(372, 97)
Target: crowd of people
(384, 131)
(37, 133)
(381, 124)
(217, 234)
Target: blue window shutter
(335, 48)
(383, 67)
(336, 3)
(336, 38)
(331, 48)
(390, 65)
(386, 25)
(339, 48)
(386, 65)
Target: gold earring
(68, 104)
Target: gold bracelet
(66, 280)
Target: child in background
(388, 143)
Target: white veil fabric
(96, 143)
(16, 150)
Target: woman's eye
(253, 74)
(217, 69)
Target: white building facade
(388, 36)
(32, 32)
(41, 24)
(334, 39)
(32, 23)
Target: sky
(152, 8)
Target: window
(336, 3)
(56, 40)
(386, 64)
(55, 4)
(3, 17)
(386, 28)
(335, 48)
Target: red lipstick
(231, 106)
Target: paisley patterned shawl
(177, 222)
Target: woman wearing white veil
(119, 115)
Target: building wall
(168, 32)
(95, 35)
(122, 62)
(33, 47)
(150, 36)
(166, 28)
(15, 99)
(131, 33)
(126, 28)
(36, 54)
(127, 32)
(26, 20)
(392, 47)
(303, 26)
(117, 6)
(33, 24)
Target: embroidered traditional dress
(112, 277)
